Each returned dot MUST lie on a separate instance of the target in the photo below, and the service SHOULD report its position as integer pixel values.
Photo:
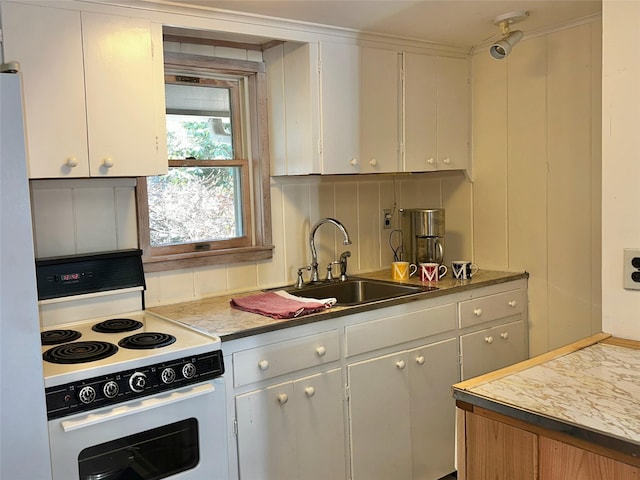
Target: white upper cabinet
(294, 129)
(340, 73)
(381, 110)
(436, 100)
(93, 88)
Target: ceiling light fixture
(502, 48)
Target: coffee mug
(402, 270)
(463, 270)
(432, 272)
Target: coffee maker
(422, 234)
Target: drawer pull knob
(446, 161)
(513, 303)
(400, 364)
(504, 335)
(321, 351)
(488, 339)
(283, 398)
(477, 312)
(71, 162)
(310, 391)
(373, 162)
(263, 364)
(420, 359)
(353, 162)
(107, 162)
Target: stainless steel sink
(356, 291)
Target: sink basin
(356, 291)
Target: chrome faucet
(312, 243)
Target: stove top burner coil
(147, 340)
(117, 325)
(79, 352)
(54, 337)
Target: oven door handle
(143, 405)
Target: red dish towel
(280, 304)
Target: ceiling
(464, 23)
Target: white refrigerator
(24, 442)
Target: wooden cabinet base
(495, 447)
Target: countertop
(589, 390)
(214, 315)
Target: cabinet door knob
(488, 339)
(353, 162)
(71, 162)
(263, 364)
(310, 391)
(431, 160)
(373, 162)
(321, 351)
(446, 161)
(283, 398)
(504, 335)
(400, 364)
(513, 303)
(420, 359)
(107, 162)
(477, 312)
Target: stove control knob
(189, 370)
(87, 395)
(110, 389)
(168, 375)
(137, 382)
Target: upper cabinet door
(92, 91)
(436, 113)
(120, 91)
(340, 107)
(48, 44)
(380, 110)
(453, 116)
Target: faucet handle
(300, 281)
(330, 270)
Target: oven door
(177, 435)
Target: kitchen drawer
(262, 363)
(369, 336)
(493, 348)
(492, 307)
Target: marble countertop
(214, 315)
(589, 390)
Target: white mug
(432, 272)
(402, 270)
(463, 270)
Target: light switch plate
(629, 269)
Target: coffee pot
(422, 234)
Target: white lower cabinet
(293, 430)
(367, 396)
(401, 417)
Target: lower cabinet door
(379, 418)
(320, 433)
(432, 370)
(266, 433)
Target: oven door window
(150, 455)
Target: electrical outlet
(386, 218)
(631, 269)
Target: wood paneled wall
(536, 192)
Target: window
(213, 205)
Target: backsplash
(90, 215)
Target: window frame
(254, 149)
